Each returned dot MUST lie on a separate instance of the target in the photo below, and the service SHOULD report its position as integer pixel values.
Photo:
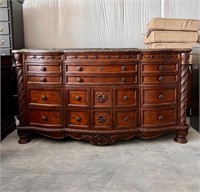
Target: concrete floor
(47, 165)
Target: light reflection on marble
(137, 165)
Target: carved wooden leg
(181, 136)
(24, 138)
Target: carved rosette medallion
(101, 98)
(101, 119)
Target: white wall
(97, 23)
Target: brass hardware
(43, 69)
(100, 68)
(125, 118)
(44, 118)
(101, 98)
(161, 78)
(79, 68)
(78, 98)
(101, 119)
(161, 67)
(78, 118)
(125, 97)
(161, 96)
(123, 79)
(1, 29)
(43, 97)
(160, 117)
(43, 79)
(123, 68)
(78, 79)
(2, 42)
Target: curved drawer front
(125, 119)
(101, 68)
(125, 97)
(159, 79)
(161, 96)
(44, 79)
(101, 79)
(159, 68)
(45, 97)
(78, 119)
(159, 117)
(44, 69)
(78, 98)
(45, 118)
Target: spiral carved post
(183, 127)
(24, 138)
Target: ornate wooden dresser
(102, 95)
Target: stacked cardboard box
(172, 33)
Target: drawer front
(101, 68)
(4, 14)
(161, 96)
(4, 41)
(101, 119)
(101, 79)
(125, 119)
(159, 79)
(159, 117)
(5, 51)
(78, 98)
(44, 79)
(45, 118)
(159, 68)
(44, 68)
(78, 119)
(102, 97)
(125, 97)
(4, 28)
(3, 3)
(45, 97)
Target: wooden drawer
(158, 96)
(44, 79)
(78, 119)
(78, 98)
(159, 68)
(4, 28)
(159, 117)
(47, 118)
(4, 41)
(101, 119)
(125, 119)
(102, 97)
(3, 3)
(101, 68)
(45, 97)
(101, 79)
(159, 79)
(44, 68)
(4, 14)
(125, 97)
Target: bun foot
(23, 139)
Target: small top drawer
(4, 14)
(159, 68)
(101, 68)
(4, 28)
(44, 68)
(3, 3)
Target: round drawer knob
(1, 29)
(161, 96)
(160, 117)
(125, 118)
(161, 78)
(161, 67)
(78, 79)
(123, 79)
(43, 97)
(78, 118)
(79, 68)
(78, 98)
(42, 68)
(125, 97)
(2, 42)
(43, 79)
(123, 68)
(44, 118)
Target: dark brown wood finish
(102, 95)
